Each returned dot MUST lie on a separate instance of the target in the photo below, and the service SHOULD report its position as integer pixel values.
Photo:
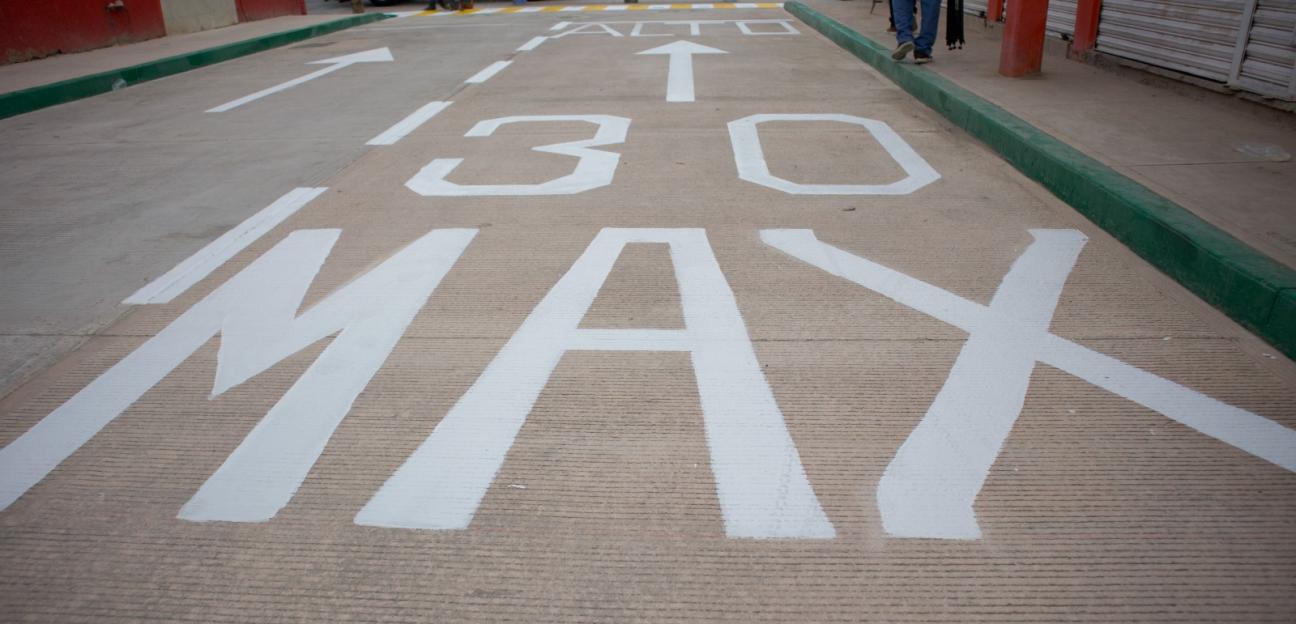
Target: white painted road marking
(532, 44)
(255, 315)
(762, 487)
(745, 27)
(750, 158)
(595, 168)
(193, 269)
(679, 76)
(407, 125)
(590, 28)
(930, 485)
(491, 70)
(1249, 432)
(369, 315)
(377, 55)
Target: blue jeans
(904, 22)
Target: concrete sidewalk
(1226, 160)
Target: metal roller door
(1267, 62)
(1196, 37)
(975, 7)
(1061, 14)
(1061, 18)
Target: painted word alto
(926, 491)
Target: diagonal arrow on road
(679, 78)
(376, 55)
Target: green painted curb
(35, 98)
(1253, 289)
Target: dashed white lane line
(532, 44)
(407, 125)
(194, 268)
(491, 70)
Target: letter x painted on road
(929, 487)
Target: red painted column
(994, 11)
(1086, 27)
(1023, 39)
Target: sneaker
(921, 58)
(902, 51)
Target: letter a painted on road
(762, 487)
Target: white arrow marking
(376, 55)
(679, 77)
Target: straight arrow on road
(376, 55)
(679, 77)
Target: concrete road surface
(641, 315)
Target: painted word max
(927, 490)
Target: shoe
(902, 51)
(890, 28)
(921, 58)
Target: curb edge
(1254, 290)
(43, 96)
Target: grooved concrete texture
(605, 509)
(105, 194)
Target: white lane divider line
(376, 55)
(409, 124)
(486, 74)
(193, 269)
(532, 44)
(560, 26)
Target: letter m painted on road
(255, 313)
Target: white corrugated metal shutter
(1268, 64)
(975, 7)
(1061, 18)
(1061, 14)
(1192, 36)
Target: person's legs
(931, 10)
(903, 12)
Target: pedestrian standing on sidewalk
(903, 11)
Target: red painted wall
(249, 10)
(35, 28)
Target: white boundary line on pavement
(532, 44)
(198, 266)
(409, 124)
(486, 74)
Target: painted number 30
(596, 168)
